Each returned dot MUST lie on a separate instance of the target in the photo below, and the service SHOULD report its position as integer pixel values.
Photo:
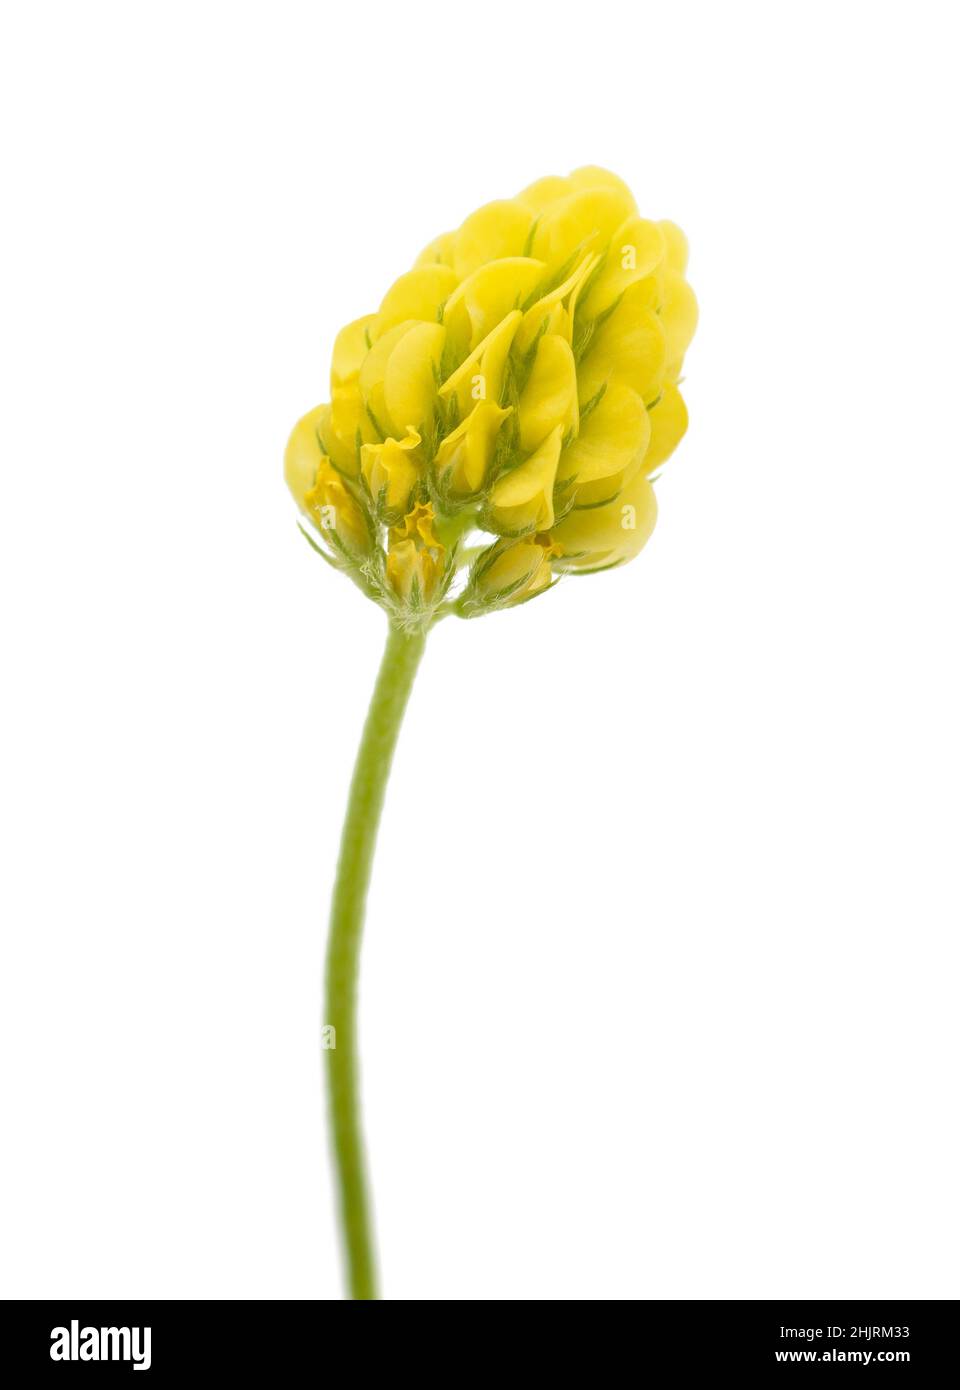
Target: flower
(514, 571)
(321, 492)
(522, 500)
(415, 557)
(390, 472)
(521, 380)
(495, 424)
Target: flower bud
(549, 399)
(510, 572)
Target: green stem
(401, 658)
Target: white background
(660, 980)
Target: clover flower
(519, 387)
(494, 425)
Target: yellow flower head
(522, 380)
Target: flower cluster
(497, 421)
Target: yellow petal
(523, 500)
(416, 295)
(596, 537)
(676, 244)
(611, 442)
(493, 232)
(418, 525)
(349, 349)
(373, 372)
(629, 346)
(636, 248)
(668, 425)
(464, 456)
(549, 399)
(584, 280)
(346, 420)
(537, 196)
(591, 176)
(403, 566)
(303, 453)
(410, 377)
(550, 308)
(582, 221)
(678, 314)
(488, 295)
(543, 318)
(439, 252)
(480, 376)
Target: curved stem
(401, 658)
